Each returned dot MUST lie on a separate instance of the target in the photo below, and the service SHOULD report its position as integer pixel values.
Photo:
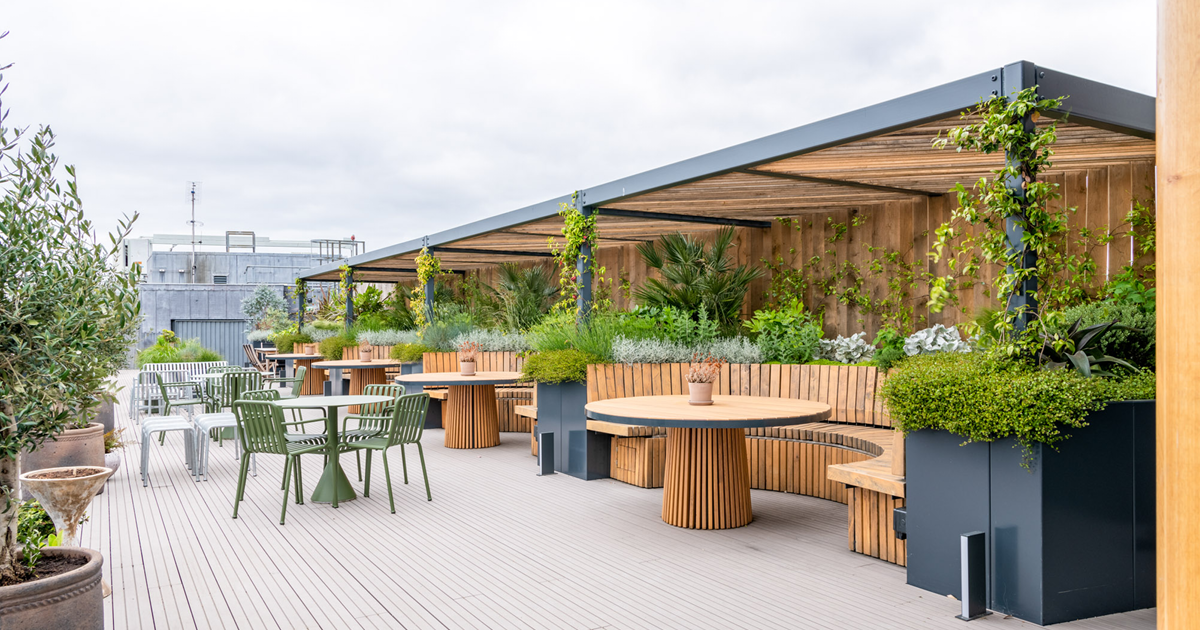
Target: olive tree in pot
(67, 318)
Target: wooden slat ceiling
(904, 160)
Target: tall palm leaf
(525, 293)
(695, 275)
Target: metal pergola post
(1017, 77)
(583, 269)
(349, 299)
(430, 287)
(302, 291)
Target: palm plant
(526, 294)
(695, 275)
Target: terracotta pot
(73, 447)
(364, 355)
(69, 601)
(309, 349)
(468, 368)
(700, 393)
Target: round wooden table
(333, 486)
(314, 379)
(362, 373)
(707, 483)
(472, 419)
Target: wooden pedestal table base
(707, 483)
(472, 420)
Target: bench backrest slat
(485, 362)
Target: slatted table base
(707, 483)
(360, 378)
(314, 379)
(471, 419)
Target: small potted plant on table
(467, 353)
(700, 378)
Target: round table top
(726, 412)
(355, 364)
(322, 402)
(295, 355)
(455, 378)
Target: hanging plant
(428, 267)
(578, 230)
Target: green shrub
(559, 331)
(1135, 346)
(559, 366)
(410, 351)
(285, 343)
(984, 399)
(331, 347)
(33, 523)
(157, 354)
(190, 351)
(449, 321)
(890, 348)
(786, 335)
(187, 351)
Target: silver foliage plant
(319, 334)
(852, 349)
(258, 335)
(936, 338)
(731, 349)
(388, 337)
(494, 340)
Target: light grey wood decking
(498, 547)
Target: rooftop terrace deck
(498, 547)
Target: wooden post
(1178, 457)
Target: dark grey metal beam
(1098, 104)
(489, 252)
(394, 270)
(839, 182)
(682, 218)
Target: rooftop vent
(222, 279)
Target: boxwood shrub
(984, 399)
(410, 351)
(559, 366)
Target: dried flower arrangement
(467, 351)
(705, 369)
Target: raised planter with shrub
(561, 380)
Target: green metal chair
(372, 418)
(169, 403)
(287, 393)
(260, 429)
(315, 439)
(405, 427)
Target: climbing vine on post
(301, 300)
(579, 230)
(428, 267)
(1020, 232)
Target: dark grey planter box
(433, 415)
(577, 451)
(1070, 537)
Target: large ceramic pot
(73, 447)
(1069, 535)
(104, 415)
(69, 601)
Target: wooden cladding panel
(849, 390)
(639, 461)
(871, 527)
(798, 466)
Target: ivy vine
(301, 298)
(428, 267)
(578, 230)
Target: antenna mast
(193, 224)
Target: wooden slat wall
(850, 390)
(640, 461)
(507, 398)
(870, 524)
(798, 466)
(1102, 194)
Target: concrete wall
(239, 268)
(164, 303)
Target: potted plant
(364, 352)
(112, 444)
(467, 352)
(65, 332)
(701, 377)
(310, 349)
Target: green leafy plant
(368, 301)
(890, 348)
(113, 441)
(265, 308)
(450, 321)
(787, 335)
(526, 294)
(331, 347)
(68, 313)
(579, 231)
(1133, 340)
(285, 343)
(559, 366)
(1076, 349)
(428, 267)
(410, 351)
(982, 399)
(696, 275)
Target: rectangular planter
(578, 452)
(1071, 537)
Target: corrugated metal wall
(223, 335)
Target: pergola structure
(878, 160)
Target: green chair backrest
(233, 383)
(260, 426)
(298, 380)
(260, 394)
(378, 415)
(408, 419)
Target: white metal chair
(165, 424)
(231, 386)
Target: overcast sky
(391, 120)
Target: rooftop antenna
(192, 194)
